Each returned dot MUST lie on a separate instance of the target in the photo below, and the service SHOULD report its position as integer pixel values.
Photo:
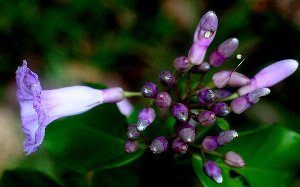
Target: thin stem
(132, 94)
(220, 155)
(175, 85)
(231, 97)
(188, 84)
(201, 81)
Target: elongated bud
(180, 112)
(186, 132)
(163, 100)
(232, 159)
(112, 95)
(131, 146)
(204, 67)
(225, 50)
(166, 78)
(270, 75)
(132, 132)
(212, 170)
(221, 79)
(206, 96)
(159, 145)
(226, 137)
(181, 64)
(242, 103)
(238, 80)
(204, 35)
(210, 143)
(179, 147)
(149, 90)
(145, 118)
(220, 109)
(207, 118)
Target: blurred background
(129, 42)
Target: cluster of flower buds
(211, 98)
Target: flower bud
(270, 75)
(145, 118)
(210, 143)
(226, 137)
(222, 93)
(186, 132)
(225, 50)
(204, 35)
(204, 67)
(112, 95)
(221, 79)
(212, 170)
(179, 147)
(207, 118)
(166, 78)
(163, 100)
(131, 146)
(206, 96)
(220, 109)
(149, 90)
(232, 159)
(181, 64)
(180, 112)
(242, 103)
(132, 132)
(159, 145)
(238, 80)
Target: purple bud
(166, 78)
(238, 80)
(220, 109)
(207, 118)
(179, 147)
(204, 35)
(180, 112)
(186, 132)
(145, 118)
(163, 100)
(225, 50)
(159, 145)
(270, 75)
(181, 63)
(132, 132)
(204, 67)
(210, 143)
(149, 90)
(242, 103)
(232, 159)
(226, 136)
(221, 79)
(206, 96)
(222, 93)
(112, 95)
(131, 146)
(212, 170)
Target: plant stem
(132, 94)
(231, 97)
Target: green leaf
(271, 154)
(223, 124)
(26, 177)
(90, 141)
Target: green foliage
(26, 178)
(271, 154)
(90, 141)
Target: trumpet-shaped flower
(40, 107)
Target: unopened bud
(207, 118)
(179, 147)
(212, 170)
(232, 159)
(204, 67)
(132, 132)
(181, 64)
(163, 100)
(226, 137)
(220, 109)
(149, 90)
(180, 112)
(206, 96)
(210, 143)
(186, 132)
(159, 145)
(131, 146)
(166, 78)
(145, 118)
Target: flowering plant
(180, 123)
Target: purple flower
(242, 103)
(181, 64)
(40, 107)
(212, 170)
(232, 159)
(270, 75)
(159, 145)
(204, 35)
(223, 52)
